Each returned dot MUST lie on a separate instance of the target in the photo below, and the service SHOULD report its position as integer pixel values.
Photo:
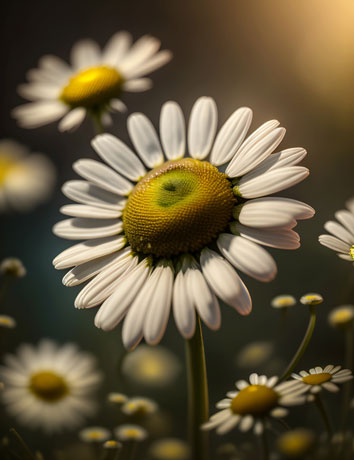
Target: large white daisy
(341, 238)
(254, 402)
(49, 386)
(93, 83)
(169, 230)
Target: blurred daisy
(139, 406)
(341, 238)
(296, 443)
(94, 434)
(169, 449)
(174, 237)
(13, 267)
(93, 84)
(49, 386)
(283, 301)
(117, 398)
(341, 317)
(253, 402)
(130, 433)
(25, 179)
(311, 299)
(318, 378)
(254, 354)
(156, 366)
(111, 444)
(7, 321)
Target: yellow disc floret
(178, 207)
(48, 386)
(317, 379)
(92, 87)
(254, 400)
(351, 252)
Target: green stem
(24, 446)
(198, 400)
(347, 390)
(97, 123)
(323, 412)
(265, 445)
(303, 345)
(129, 450)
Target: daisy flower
(283, 301)
(92, 84)
(49, 386)
(130, 433)
(254, 354)
(13, 267)
(139, 406)
(94, 434)
(311, 299)
(169, 449)
(170, 232)
(253, 402)
(342, 317)
(7, 321)
(117, 398)
(318, 378)
(341, 238)
(296, 443)
(25, 179)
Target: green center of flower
(92, 87)
(254, 400)
(48, 386)
(317, 379)
(178, 207)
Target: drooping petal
(334, 243)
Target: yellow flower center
(254, 400)
(131, 433)
(92, 88)
(48, 386)
(7, 165)
(178, 207)
(317, 379)
(351, 252)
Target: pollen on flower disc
(178, 207)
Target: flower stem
(24, 446)
(265, 445)
(97, 123)
(129, 450)
(303, 345)
(323, 411)
(198, 401)
(347, 390)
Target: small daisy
(25, 179)
(139, 406)
(7, 321)
(169, 449)
(130, 433)
(111, 444)
(254, 354)
(253, 402)
(117, 398)
(342, 317)
(94, 434)
(93, 83)
(341, 238)
(154, 367)
(296, 443)
(327, 378)
(170, 234)
(49, 386)
(311, 299)
(13, 267)
(283, 301)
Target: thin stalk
(347, 390)
(324, 415)
(198, 400)
(24, 446)
(302, 348)
(97, 123)
(129, 450)
(265, 445)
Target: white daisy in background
(154, 367)
(49, 386)
(341, 239)
(254, 354)
(94, 434)
(7, 321)
(139, 406)
(117, 398)
(283, 301)
(318, 378)
(25, 179)
(169, 449)
(13, 267)
(296, 443)
(311, 298)
(253, 403)
(112, 444)
(342, 317)
(130, 433)
(170, 232)
(93, 84)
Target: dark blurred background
(293, 61)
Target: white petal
(329, 386)
(35, 91)
(250, 155)
(138, 85)
(172, 130)
(246, 423)
(183, 308)
(145, 140)
(159, 309)
(117, 105)
(140, 52)
(150, 65)
(340, 232)
(115, 307)
(231, 136)
(92, 212)
(346, 218)
(202, 127)
(118, 155)
(334, 243)
(271, 182)
(216, 419)
(254, 378)
(228, 425)
(116, 48)
(37, 114)
(80, 229)
(54, 66)
(85, 53)
(345, 257)
(86, 193)
(225, 282)
(247, 257)
(88, 250)
(72, 120)
(102, 176)
(275, 238)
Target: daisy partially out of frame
(253, 402)
(168, 229)
(341, 238)
(49, 386)
(318, 378)
(92, 84)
